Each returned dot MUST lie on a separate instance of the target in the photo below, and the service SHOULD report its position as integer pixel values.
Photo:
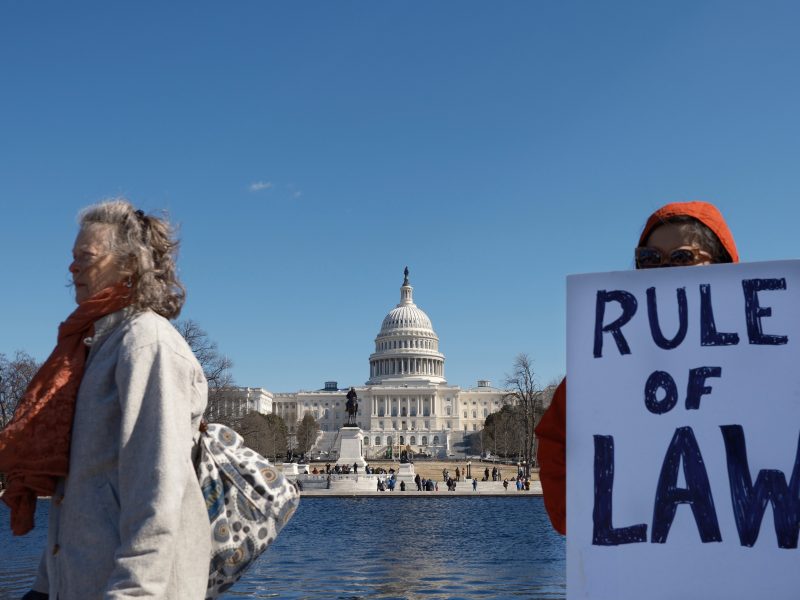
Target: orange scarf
(34, 446)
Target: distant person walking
(474, 485)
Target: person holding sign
(679, 234)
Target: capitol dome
(407, 347)
(406, 317)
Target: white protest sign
(683, 413)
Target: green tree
(473, 442)
(266, 434)
(306, 435)
(503, 431)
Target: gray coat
(129, 521)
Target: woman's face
(672, 245)
(93, 267)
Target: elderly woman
(681, 234)
(106, 427)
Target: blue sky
(310, 150)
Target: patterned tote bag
(248, 500)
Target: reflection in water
(19, 556)
(404, 548)
(412, 548)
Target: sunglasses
(652, 258)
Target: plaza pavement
(463, 489)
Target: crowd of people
(450, 480)
(495, 474)
(425, 485)
(349, 470)
(522, 483)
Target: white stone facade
(236, 402)
(405, 402)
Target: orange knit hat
(706, 213)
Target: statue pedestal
(290, 470)
(350, 447)
(406, 473)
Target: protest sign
(683, 413)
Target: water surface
(388, 548)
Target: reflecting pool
(353, 548)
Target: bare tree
(15, 375)
(216, 367)
(307, 429)
(528, 400)
(266, 434)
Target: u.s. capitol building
(406, 400)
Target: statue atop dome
(405, 272)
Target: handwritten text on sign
(683, 423)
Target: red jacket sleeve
(552, 456)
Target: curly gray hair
(145, 248)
